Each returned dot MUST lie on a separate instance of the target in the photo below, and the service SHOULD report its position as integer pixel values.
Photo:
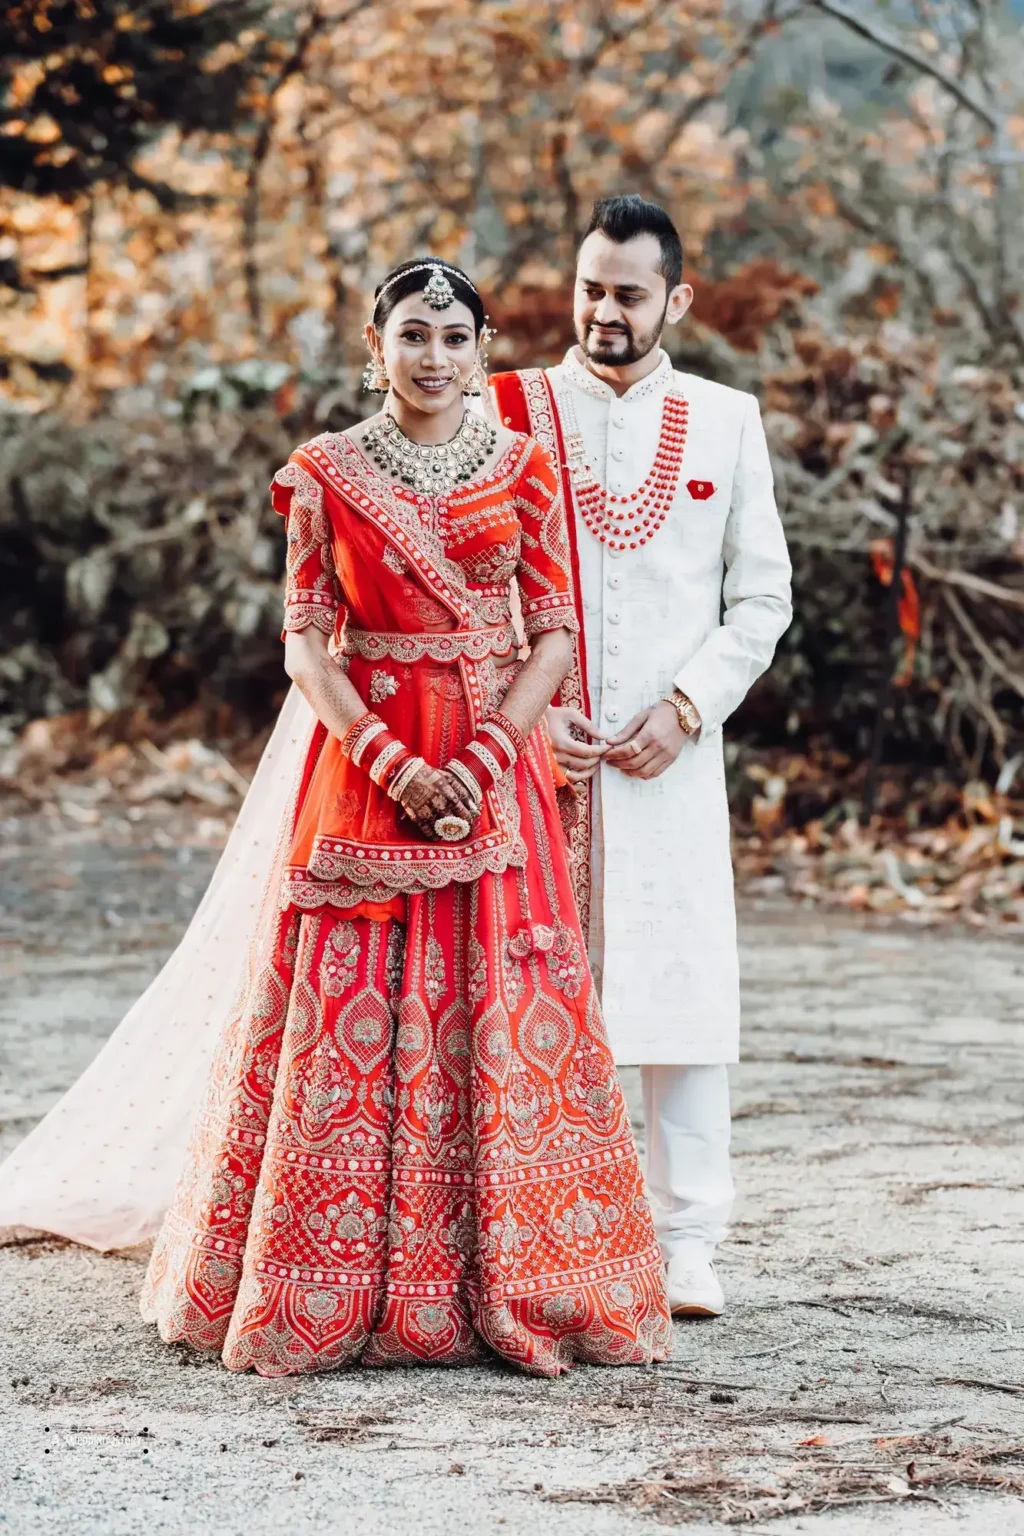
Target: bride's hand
(433, 793)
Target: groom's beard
(619, 345)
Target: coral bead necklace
(630, 520)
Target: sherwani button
(615, 618)
(614, 648)
(613, 682)
(612, 715)
(615, 582)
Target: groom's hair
(623, 218)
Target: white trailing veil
(101, 1167)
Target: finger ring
(634, 748)
(451, 829)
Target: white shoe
(694, 1290)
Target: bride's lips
(434, 386)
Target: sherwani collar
(653, 385)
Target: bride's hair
(413, 277)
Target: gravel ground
(867, 1378)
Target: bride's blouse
(414, 591)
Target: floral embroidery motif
(393, 560)
(476, 959)
(433, 1104)
(497, 563)
(506, 1236)
(382, 686)
(459, 1233)
(565, 963)
(526, 1104)
(512, 979)
(559, 1310)
(587, 1221)
(591, 1085)
(351, 1224)
(341, 957)
(433, 972)
(324, 1086)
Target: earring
(477, 379)
(375, 378)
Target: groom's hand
(649, 744)
(577, 742)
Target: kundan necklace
(627, 521)
(433, 468)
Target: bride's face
(429, 355)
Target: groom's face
(621, 299)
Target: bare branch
(995, 662)
(1009, 595)
(919, 61)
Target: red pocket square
(700, 490)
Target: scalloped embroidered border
(475, 644)
(552, 618)
(363, 884)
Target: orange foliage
(744, 305)
(908, 607)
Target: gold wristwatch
(686, 712)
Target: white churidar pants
(688, 1125)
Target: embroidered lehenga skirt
(415, 1146)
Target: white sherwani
(699, 608)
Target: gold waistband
(377, 645)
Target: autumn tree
(87, 86)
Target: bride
(380, 1040)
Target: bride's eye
(457, 340)
(412, 336)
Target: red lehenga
(414, 1145)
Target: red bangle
(360, 733)
(486, 759)
(393, 767)
(383, 755)
(474, 766)
(510, 728)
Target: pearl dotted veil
(101, 1167)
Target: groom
(683, 589)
